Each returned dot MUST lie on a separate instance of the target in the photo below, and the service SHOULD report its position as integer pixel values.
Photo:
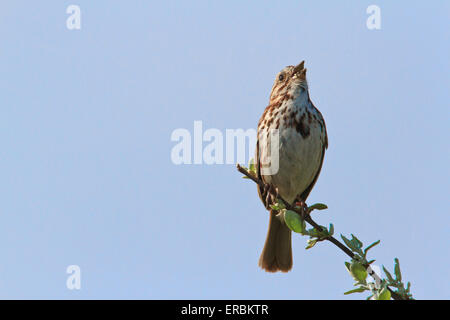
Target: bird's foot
(303, 206)
(271, 194)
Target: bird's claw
(303, 206)
(271, 194)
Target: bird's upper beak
(300, 69)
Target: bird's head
(290, 81)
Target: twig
(308, 219)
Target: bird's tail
(277, 252)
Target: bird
(289, 164)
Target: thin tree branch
(307, 218)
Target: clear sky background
(86, 118)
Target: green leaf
(360, 289)
(331, 230)
(347, 242)
(313, 232)
(278, 206)
(317, 206)
(358, 271)
(311, 243)
(347, 265)
(371, 246)
(251, 166)
(371, 261)
(388, 275)
(358, 244)
(398, 274)
(385, 294)
(294, 222)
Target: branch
(307, 218)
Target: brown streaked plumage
(301, 149)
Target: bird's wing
(307, 191)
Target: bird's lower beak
(300, 71)
(299, 67)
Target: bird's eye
(281, 77)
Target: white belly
(299, 161)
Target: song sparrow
(301, 149)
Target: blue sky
(86, 118)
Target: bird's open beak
(300, 69)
